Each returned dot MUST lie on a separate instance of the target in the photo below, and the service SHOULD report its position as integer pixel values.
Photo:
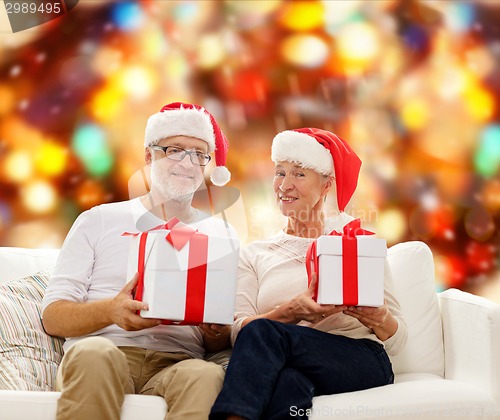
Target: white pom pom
(220, 176)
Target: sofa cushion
(28, 356)
(20, 405)
(412, 268)
(412, 396)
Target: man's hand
(123, 309)
(215, 336)
(64, 318)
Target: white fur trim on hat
(292, 146)
(182, 122)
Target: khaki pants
(95, 375)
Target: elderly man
(110, 350)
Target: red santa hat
(180, 119)
(323, 152)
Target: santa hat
(323, 152)
(179, 119)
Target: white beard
(164, 182)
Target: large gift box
(185, 276)
(349, 266)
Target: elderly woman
(289, 348)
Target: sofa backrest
(20, 262)
(412, 268)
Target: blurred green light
(100, 164)
(89, 140)
(89, 144)
(487, 157)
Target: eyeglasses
(176, 153)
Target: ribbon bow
(352, 229)
(349, 260)
(179, 234)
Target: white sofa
(450, 367)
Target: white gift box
(371, 253)
(167, 274)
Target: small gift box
(185, 276)
(350, 267)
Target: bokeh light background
(414, 86)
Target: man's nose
(186, 161)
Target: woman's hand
(379, 319)
(304, 308)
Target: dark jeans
(276, 369)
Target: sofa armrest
(471, 326)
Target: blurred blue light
(416, 38)
(460, 16)
(5, 214)
(185, 11)
(127, 16)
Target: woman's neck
(306, 228)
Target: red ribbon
(349, 261)
(196, 280)
(179, 235)
(139, 290)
